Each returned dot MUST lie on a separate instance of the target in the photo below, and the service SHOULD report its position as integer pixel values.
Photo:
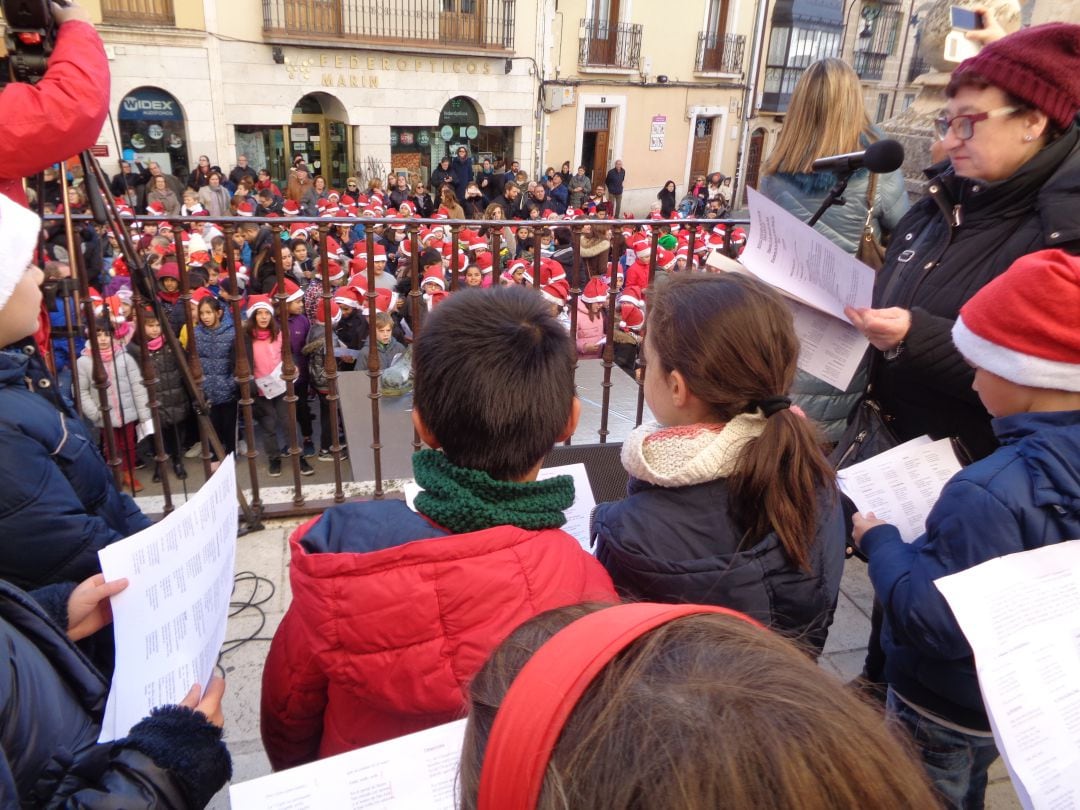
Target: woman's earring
(1028, 138)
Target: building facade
(356, 87)
(658, 90)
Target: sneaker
(305, 468)
(275, 468)
(326, 455)
(194, 451)
(309, 448)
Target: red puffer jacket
(58, 117)
(391, 617)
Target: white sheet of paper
(790, 255)
(901, 486)
(271, 385)
(415, 772)
(144, 429)
(829, 349)
(1021, 616)
(579, 514)
(169, 622)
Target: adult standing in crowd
(616, 176)
(173, 182)
(299, 183)
(200, 176)
(215, 198)
(159, 192)
(1011, 188)
(827, 116)
(128, 184)
(579, 188)
(242, 170)
(461, 167)
(59, 504)
(441, 176)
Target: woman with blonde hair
(827, 116)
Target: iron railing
(719, 53)
(602, 43)
(870, 66)
(304, 499)
(138, 12)
(481, 24)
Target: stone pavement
(265, 553)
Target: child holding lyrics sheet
(1021, 333)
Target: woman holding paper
(1009, 189)
(827, 116)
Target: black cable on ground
(258, 596)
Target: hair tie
(771, 405)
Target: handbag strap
(871, 190)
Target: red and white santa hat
(557, 292)
(245, 209)
(292, 291)
(379, 253)
(434, 274)
(348, 297)
(385, 301)
(634, 296)
(1024, 326)
(320, 312)
(665, 259)
(334, 271)
(155, 209)
(485, 261)
(595, 292)
(291, 208)
(631, 318)
(257, 302)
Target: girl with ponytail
(731, 501)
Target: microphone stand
(834, 197)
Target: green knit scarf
(464, 500)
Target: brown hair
(732, 338)
(704, 712)
(826, 116)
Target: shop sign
(656, 134)
(407, 139)
(447, 132)
(150, 104)
(393, 137)
(423, 138)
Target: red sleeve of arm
(61, 115)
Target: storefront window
(264, 147)
(152, 125)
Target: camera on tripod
(28, 40)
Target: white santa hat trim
(19, 229)
(1014, 366)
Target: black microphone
(880, 157)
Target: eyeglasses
(963, 126)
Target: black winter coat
(952, 243)
(51, 704)
(174, 404)
(59, 504)
(678, 545)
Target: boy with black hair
(394, 610)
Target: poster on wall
(253, 145)
(656, 134)
(163, 159)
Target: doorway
(322, 140)
(753, 160)
(461, 22)
(603, 33)
(701, 148)
(594, 142)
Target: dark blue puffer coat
(1025, 495)
(217, 353)
(679, 545)
(51, 705)
(58, 502)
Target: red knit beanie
(1039, 65)
(1024, 326)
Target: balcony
(719, 53)
(870, 66)
(917, 68)
(604, 44)
(137, 12)
(472, 24)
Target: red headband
(546, 691)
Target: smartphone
(964, 19)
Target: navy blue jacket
(679, 544)
(462, 171)
(1023, 496)
(58, 502)
(51, 704)
(217, 354)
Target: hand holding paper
(884, 328)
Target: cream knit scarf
(689, 454)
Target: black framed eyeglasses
(963, 126)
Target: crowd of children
(449, 259)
